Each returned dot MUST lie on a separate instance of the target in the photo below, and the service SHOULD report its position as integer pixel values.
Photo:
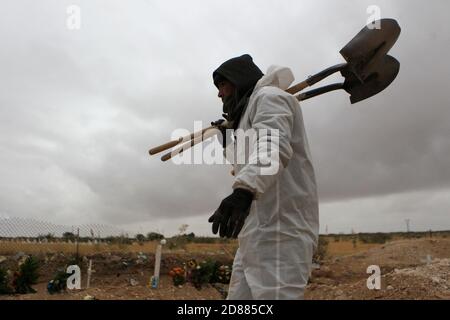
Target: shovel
(374, 83)
(367, 72)
(363, 54)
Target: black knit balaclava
(243, 74)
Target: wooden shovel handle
(317, 77)
(173, 143)
(165, 146)
(298, 87)
(206, 134)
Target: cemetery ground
(412, 267)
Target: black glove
(217, 122)
(231, 214)
(226, 136)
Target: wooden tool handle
(208, 133)
(317, 77)
(165, 146)
(173, 143)
(298, 87)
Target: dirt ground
(119, 276)
(410, 269)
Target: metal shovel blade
(368, 48)
(387, 70)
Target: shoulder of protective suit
(272, 93)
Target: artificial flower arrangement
(178, 275)
(201, 273)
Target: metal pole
(78, 238)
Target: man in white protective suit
(274, 214)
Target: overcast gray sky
(80, 109)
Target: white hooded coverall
(280, 234)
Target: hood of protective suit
(243, 73)
(276, 76)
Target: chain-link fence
(111, 256)
(33, 236)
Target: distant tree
(190, 236)
(124, 239)
(50, 236)
(140, 237)
(182, 229)
(68, 236)
(110, 239)
(154, 236)
(47, 237)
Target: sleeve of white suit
(273, 120)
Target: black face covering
(244, 75)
